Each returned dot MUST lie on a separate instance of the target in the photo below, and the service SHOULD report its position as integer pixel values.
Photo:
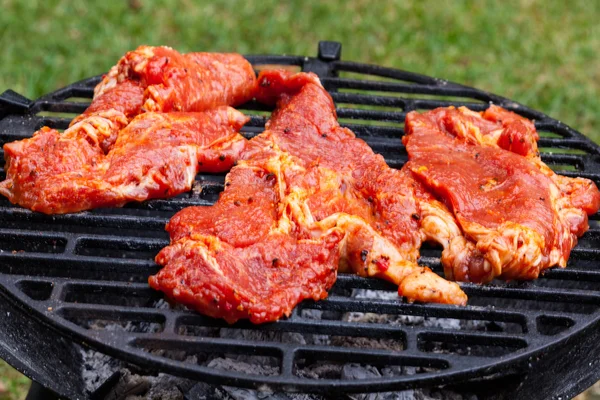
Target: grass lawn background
(544, 54)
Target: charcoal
(202, 391)
(136, 386)
(404, 395)
(129, 385)
(230, 364)
(320, 370)
(358, 371)
(97, 368)
(311, 314)
(271, 336)
(161, 387)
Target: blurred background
(544, 54)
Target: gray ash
(134, 384)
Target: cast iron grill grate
(85, 274)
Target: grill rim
(584, 324)
(77, 334)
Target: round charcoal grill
(80, 279)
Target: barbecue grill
(76, 284)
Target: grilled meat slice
(378, 207)
(242, 257)
(163, 80)
(494, 127)
(518, 217)
(51, 167)
(327, 192)
(114, 108)
(183, 82)
(156, 156)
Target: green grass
(541, 53)
(13, 385)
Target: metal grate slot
(18, 242)
(405, 90)
(553, 130)
(76, 267)
(66, 111)
(466, 345)
(129, 295)
(91, 219)
(372, 101)
(121, 248)
(217, 354)
(550, 325)
(371, 78)
(561, 150)
(36, 290)
(524, 304)
(347, 366)
(565, 283)
(457, 324)
(76, 99)
(367, 72)
(97, 320)
(253, 365)
(58, 123)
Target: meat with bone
(157, 155)
(307, 196)
(518, 217)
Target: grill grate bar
(341, 83)
(371, 115)
(388, 73)
(370, 100)
(342, 304)
(287, 363)
(573, 274)
(88, 218)
(64, 107)
(535, 294)
(568, 144)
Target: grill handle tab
(12, 102)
